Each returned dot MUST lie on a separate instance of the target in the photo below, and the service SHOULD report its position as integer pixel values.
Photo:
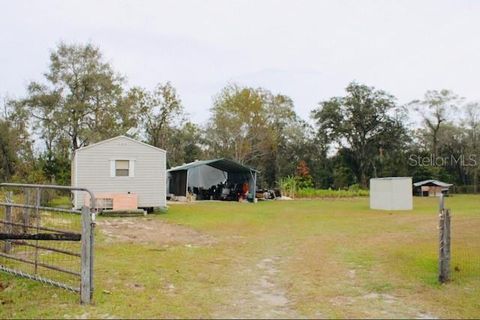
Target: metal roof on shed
(221, 164)
(432, 183)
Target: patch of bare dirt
(3, 286)
(378, 304)
(266, 292)
(263, 298)
(141, 230)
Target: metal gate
(45, 242)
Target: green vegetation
(294, 187)
(319, 258)
(64, 202)
(329, 193)
(82, 99)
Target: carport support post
(86, 285)
(186, 185)
(254, 186)
(253, 174)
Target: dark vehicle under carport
(218, 179)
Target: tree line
(348, 139)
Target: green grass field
(312, 258)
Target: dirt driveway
(153, 231)
(262, 295)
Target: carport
(218, 179)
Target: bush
(329, 193)
(288, 186)
(354, 187)
(293, 188)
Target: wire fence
(465, 247)
(459, 245)
(44, 240)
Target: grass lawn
(312, 258)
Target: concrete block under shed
(116, 201)
(392, 193)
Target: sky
(308, 50)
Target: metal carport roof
(221, 164)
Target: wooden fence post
(441, 205)
(86, 285)
(8, 219)
(444, 243)
(447, 244)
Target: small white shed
(392, 193)
(123, 173)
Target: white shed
(393, 193)
(123, 173)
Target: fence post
(441, 259)
(86, 286)
(26, 211)
(38, 203)
(441, 203)
(444, 243)
(92, 245)
(447, 244)
(8, 219)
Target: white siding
(92, 170)
(391, 193)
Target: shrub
(292, 187)
(329, 193)
(354, 187)
(288, 186)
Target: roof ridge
(118, 137)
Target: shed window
(122, 168)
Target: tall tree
(82, 99)
(162, 112)
(283, 125)
(185, 144)
(254, 126)
(16, 152)
(435, 110)
(237, 126)
(471, 122)
(8, 156)
(362, 122)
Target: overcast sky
(309, 50)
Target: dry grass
(318, 258)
